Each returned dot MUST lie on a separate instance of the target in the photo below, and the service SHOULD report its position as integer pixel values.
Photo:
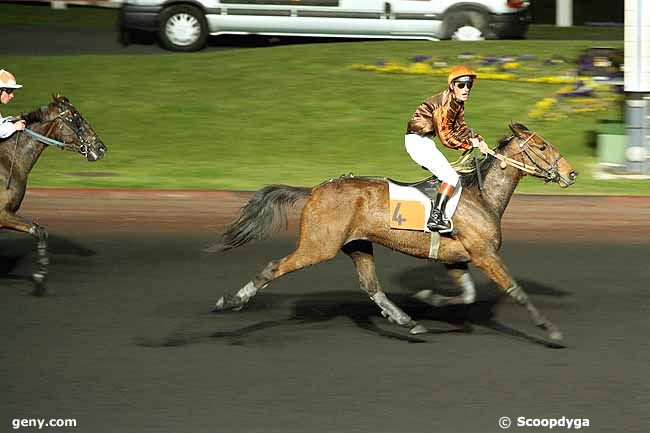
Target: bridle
(68, 117)
(550, 172)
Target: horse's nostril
(573, 175)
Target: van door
(415, 17)
(304, 17)
(348, 17)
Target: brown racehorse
(61, 125)
(351, 213)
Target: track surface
(125, 341)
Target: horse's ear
(517, 128)
(59, 98)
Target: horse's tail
(264, 214)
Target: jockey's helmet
(8, 81)
(458, 72)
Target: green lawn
(294, 114)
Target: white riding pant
(423, 151)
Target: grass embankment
(44, 15)
(294, 114)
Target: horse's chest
(12, 199)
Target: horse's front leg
(459, 274)
(494, 268)
(14, 222)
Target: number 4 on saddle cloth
(410, 203)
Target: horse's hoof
(39, 290)
(218, 306)
(228, 302)
(39, 284)
(430, 298)
(425, 296)
(556, 335)
(418, 329)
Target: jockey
(7, 86)
(443, 115)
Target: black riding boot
(437, 221)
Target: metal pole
(637, 85)
(564, 13)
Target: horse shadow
(17, 254)
(323, 307)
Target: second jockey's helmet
(8, 81)
(459, 72)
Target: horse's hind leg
(307, 254)
(14, 222)
(497, 271)
(362, 255)
(459, 274)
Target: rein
(549, 174)
(44, 139)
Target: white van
(184, 25)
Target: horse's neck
(499, 184)
(28, 150)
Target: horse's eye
(543, 148)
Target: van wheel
(183, 28)
(473, 19)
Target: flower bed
(580, 95)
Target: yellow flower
(511, 65)
(420, 68)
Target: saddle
(411, 203)
(428, 187)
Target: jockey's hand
(481, 144)
(20, 125)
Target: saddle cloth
(410, 203)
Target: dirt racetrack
(566, 218)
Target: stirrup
(441, 227)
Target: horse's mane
(40, 114)
(468, 172)
(36, 116)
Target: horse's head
(544, 160)
(69, 126)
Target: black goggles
(462, 84)
(8, 91)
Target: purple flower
(585, 93)
(419, 59)
(526, 57)
(489, 60)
